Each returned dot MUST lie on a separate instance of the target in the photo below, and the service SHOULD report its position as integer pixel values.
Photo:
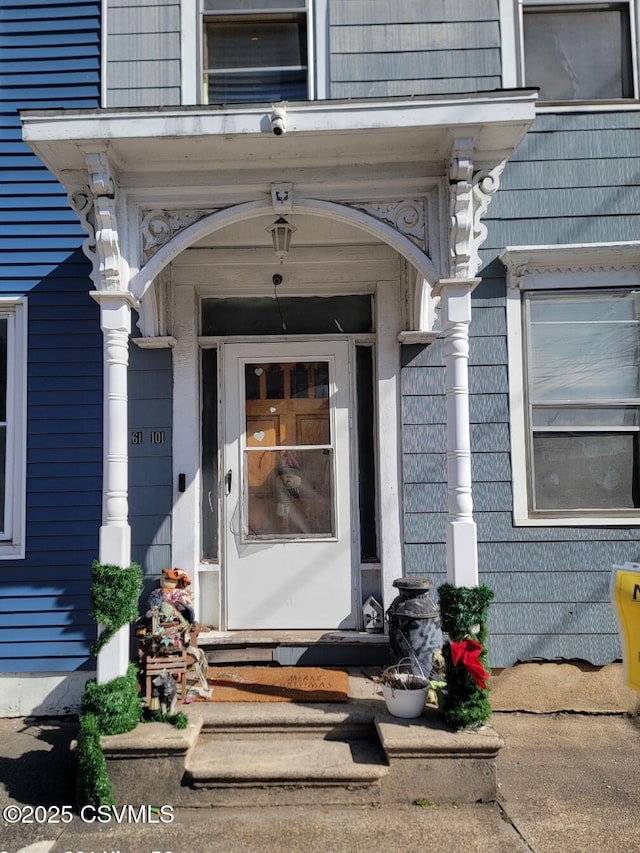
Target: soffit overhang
(416, 134)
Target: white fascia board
(497, 121)
(318, 116)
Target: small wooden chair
(175, 664)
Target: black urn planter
(414, 625)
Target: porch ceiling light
(281, 232)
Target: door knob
(227, 480)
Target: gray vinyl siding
(143, 53)
(574, 179)
(376, 49)
(150, 464)
(551, 585)
(408, 47)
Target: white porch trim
(115, 532)
(462, 549)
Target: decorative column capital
(455, 299)
(114, 299)
(455, 286)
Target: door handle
(227, 480)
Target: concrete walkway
(569, 783)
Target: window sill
(626, 104)
(578, 521)
(9, 551)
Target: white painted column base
(462, 552)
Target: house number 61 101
(156, 436)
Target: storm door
(287, 492)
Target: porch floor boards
(289, 638)
(291, 647)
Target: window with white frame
(578, 51)
(574, 377)
(256, 51)
(13, 316)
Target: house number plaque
(156, 436)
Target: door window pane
(289, 493)
(275, 415)
(288, 486)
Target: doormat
(277, 684)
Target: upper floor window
(255, 51)
(577, 51)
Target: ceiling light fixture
(281, 232)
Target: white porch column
(115, 533)
(462, 549)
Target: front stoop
(430, 761)
(146, 765)
(287, 770)
(245, 754)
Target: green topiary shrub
(114, 598)
(111, 708)
(463, 614)
(115, 705)
(94, 787)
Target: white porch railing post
(115, 533)
(461, 539)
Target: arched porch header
(143, 279)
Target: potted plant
(404, 692)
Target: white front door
(287, 496)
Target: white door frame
(186, 522)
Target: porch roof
(318, 134)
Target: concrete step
(285, 753)
(286, 770)
(333, 721)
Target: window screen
(584, 400)
(255, 52)
(579, 52)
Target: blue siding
(49, 57)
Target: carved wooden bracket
(470, 193)
(95, 205)
(159, 226)
(408, 216)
